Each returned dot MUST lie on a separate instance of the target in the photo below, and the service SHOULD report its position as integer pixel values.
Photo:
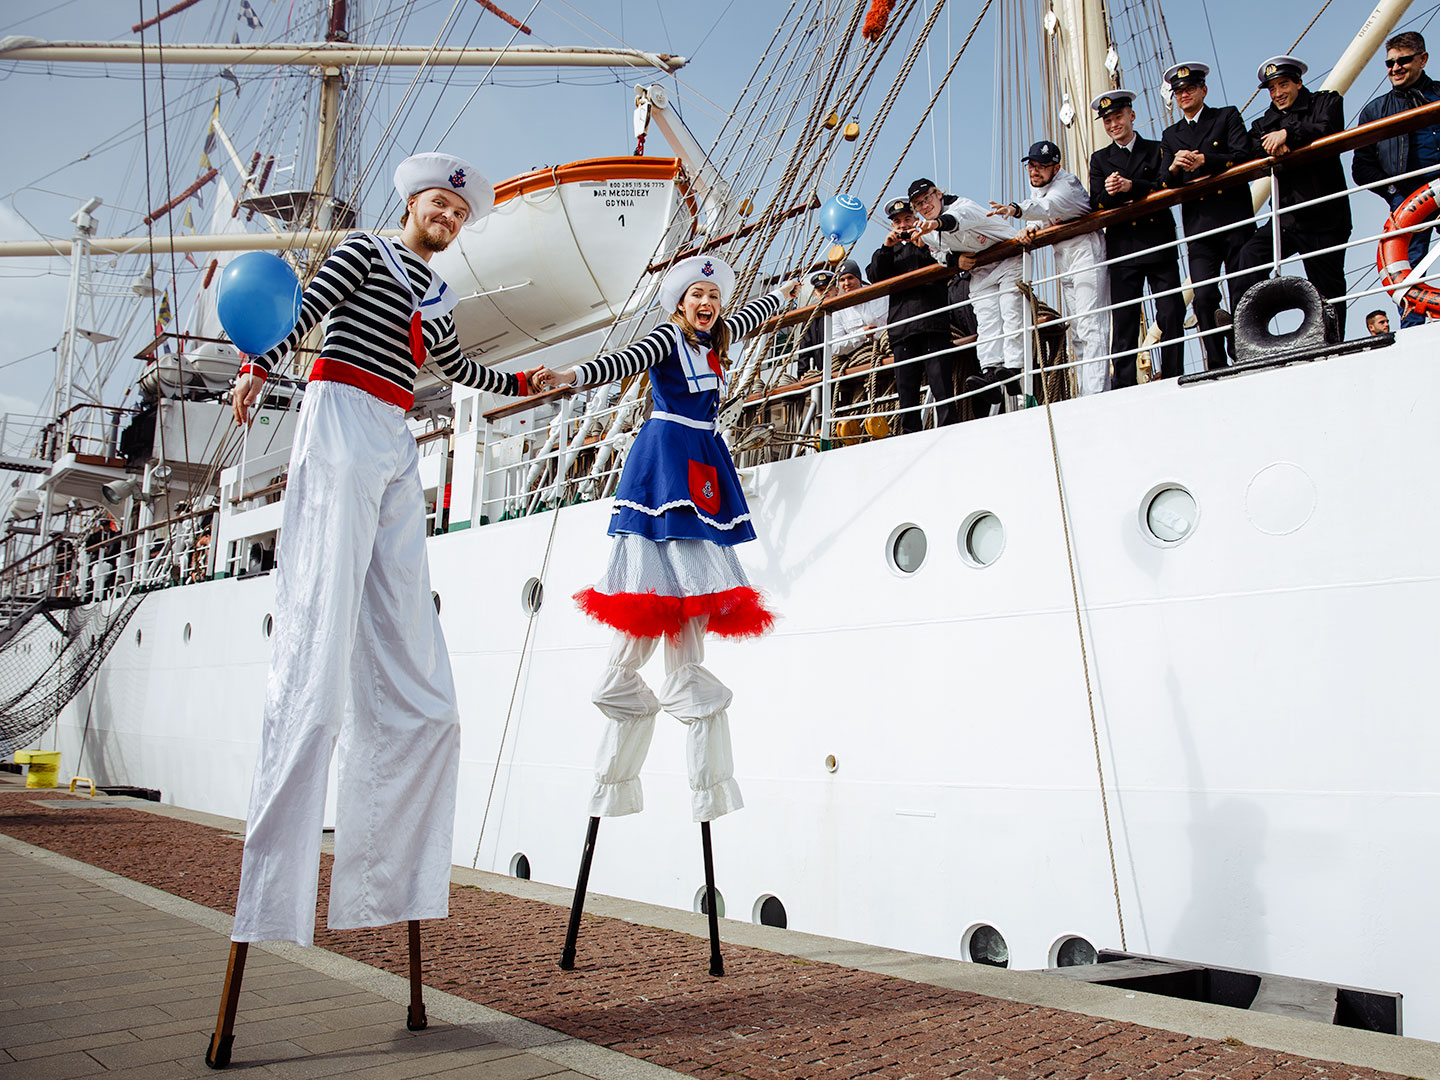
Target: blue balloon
(843, 219)
(259, 301)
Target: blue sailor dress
(679, 510)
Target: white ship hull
(1268, 742)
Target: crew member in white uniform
(358, 650)
(953, 224)
(1057, 195)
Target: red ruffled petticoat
(735, 613)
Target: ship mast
(329, 128)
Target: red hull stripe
(338, 371)
(739, 612)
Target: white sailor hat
(449, 173)
(688, 271)
(1276, 66)
(1180, 76)
(1112, 101)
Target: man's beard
(435, 238)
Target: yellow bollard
(44, 768)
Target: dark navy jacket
(1312, 116)
(1141, 166)
(1220, 135)
(1389, 157)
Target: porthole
(982, 539)
(831, 763)
(137, 637)
(983, 944)
(520, 866)
(1168, 514)
(702, 902)
(906, 548)
(186, 634)
(532, 595)
(267, 624)
(435, 599)
(769, 911)
(1072, 951)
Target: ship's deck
(114, 918)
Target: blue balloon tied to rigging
(259, 302)
(843, 219)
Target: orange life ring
(1392, 258)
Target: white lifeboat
(563, 251)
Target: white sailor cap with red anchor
(422, 172)
(688, 271)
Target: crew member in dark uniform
(1126, 170)
(1206, 142)
(812, 342)
(1297, 117)
(928, 336)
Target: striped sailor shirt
(649, 350)
(367, 336)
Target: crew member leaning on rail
(1127, 170)
(1205, 142)
(679, 513)
(1297, 117)
(354, 617)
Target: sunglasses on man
(1399, 61)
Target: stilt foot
(577, 906)
(415, 1017)
(217, 1055)
(717, 962)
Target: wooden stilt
(218, 1054)
(577, 906)
(717, 963)
(415, 1019)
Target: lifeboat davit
(563, 251)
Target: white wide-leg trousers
(1085, 289)
(999, 314)
(692, 695)
(359, 657)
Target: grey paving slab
(104, 976)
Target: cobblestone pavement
(645, 991)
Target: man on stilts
(673, 573)
(359, 655)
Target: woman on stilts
(679, 513)
(673, 573)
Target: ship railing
(20, 433)
(1024, 382)
(537, 473)
(247, 524)
(87, 430)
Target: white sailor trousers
(691, 694)
(999, 314)
(1085, 289)
(359, 658)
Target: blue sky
(50, 118)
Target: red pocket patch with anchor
(705, 487)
